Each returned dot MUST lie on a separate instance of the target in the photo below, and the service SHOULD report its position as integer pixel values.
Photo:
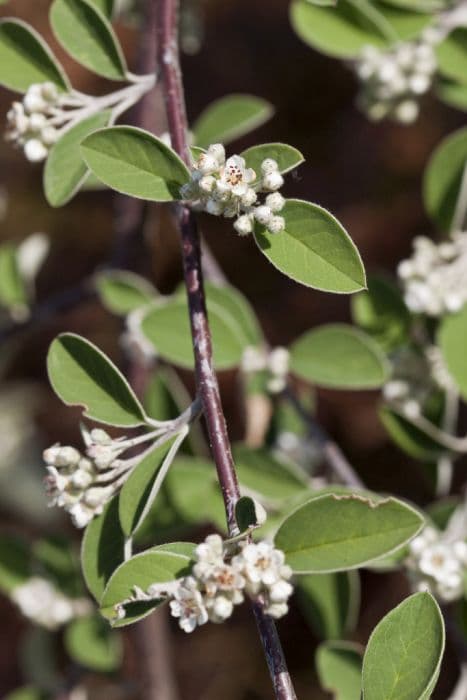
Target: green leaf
(287, 157)
(417, 5)
(166, 326)
(339, 668)
(380, 311)
(452, 94)
(452, 55)
(229, 118)
(122, 291)
(105, 6)
(407, 25)
(65, 171)
(15, 565)
(90, 643)
(452, 339)
(404, 652)
(336, 533)
(340, 357)
(26, 59)
(265, 475)
(314, 249)
(141, 570)
(249, 513)
(102, 548)
(330, 602)
(136, 163)
(12, 288)
(143, 484)
(81, 375)
(342, 31)
(55, 558)
(237, 306)
(87, 35)
(409, 438)
(443, 178)
(194, 493)
(27, 692)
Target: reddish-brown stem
(206, 378)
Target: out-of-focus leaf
(229, 118)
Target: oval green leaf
(81, 375)
(340, 532)
(452, 339)
(87, 35)
(143, 484)
(452, 55)
(166, 326)
(341, 31)
(105, 6)
(12, 288)
(314, 249)
(404, 652)
(102, 549)
(136, 163)
(287, 157)
(330, 603)
(26, 59)
(229, 118)
(380, 311)
(339, 357)
(65, 171)
(122, 291)
(263, 474)
(339, 668)
(443, 177)
(90, 643)
(141, 570)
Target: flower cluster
(393, 81)
(275, 362)
(434, 277)
(83, 484)
(438, 563)
(41, 602)
(229, 188)
(31, 123)
(220, 580)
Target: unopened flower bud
(263, 214)
(217, 151)
(207, 164)
(276, 224)
(269, 166)
(100, 437)
(49, 135)
(207, 183)
(249, 198)
(275, 202)
(33, 100)
(35, 151)
(272, 181)
(243, 225)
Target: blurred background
(368, 175)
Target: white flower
(261, 565)
(81, 515)
(217, 151)
(188, 605)
(438, 561)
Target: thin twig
(330, 450)
(206, 378)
